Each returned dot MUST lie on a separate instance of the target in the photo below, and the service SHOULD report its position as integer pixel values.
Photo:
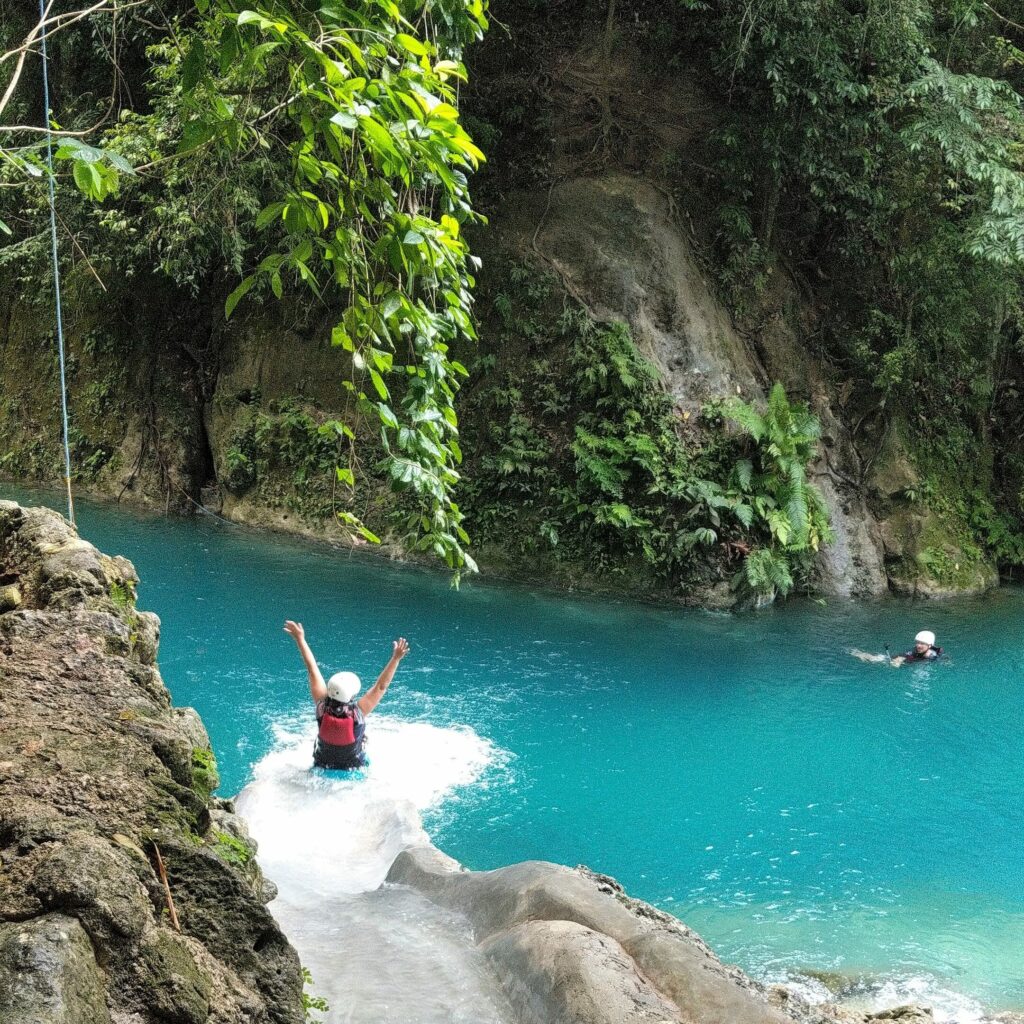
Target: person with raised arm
(924, 649)
(341, 720)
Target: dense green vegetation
(586, 460)
(872, 156)
(865, 161)
(880, 148)
(326, 141)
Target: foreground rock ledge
(97, 772)
(570, 947)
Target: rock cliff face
(100, 778)
(619, 249)
(174, 413)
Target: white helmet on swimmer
(926, 636)
(343, 686)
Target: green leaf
(88, 178)
(387, 417)
(294, 219)
(450, 68)
(345, 120)
(380, 137)
(378, 383)
(446, 112)
(252, 18)
(80, 172)
(269, 214)
(227, 49)
(350, 520)
(236, 296)
(339, 336)
(117, 161)
(194, 67)
(411, 44)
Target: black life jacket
(341, 735)
(931, 654)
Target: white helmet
(343, 686)
(926, 636)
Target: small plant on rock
(311, 1003)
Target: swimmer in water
(924, 649)
(341, 720)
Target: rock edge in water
(97, 772)
(569, 946)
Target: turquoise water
(798, 808)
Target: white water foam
(948, 1006)
(875, 995)
(377, 953)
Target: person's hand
(400, 648)
(294, 629)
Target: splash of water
(377, 952)
(874, 995)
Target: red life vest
(340, 736)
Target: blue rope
(56, 265)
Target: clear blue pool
(798, 808)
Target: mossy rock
(894, 472)
(205, 777)
(10, 598)
(933, 555)
(177, 989)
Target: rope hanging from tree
(56, 266)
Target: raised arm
(371, 699)
(317, 686)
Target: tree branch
(51, 26)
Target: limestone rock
(569, 946)
(49, 974)
(558, 972)
(147, 637)
(801, 1010)
(98, 883)
(99, 772)
(176, 989)
(675, 961)
(615, 244)
(10, 598)
(617, 267)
